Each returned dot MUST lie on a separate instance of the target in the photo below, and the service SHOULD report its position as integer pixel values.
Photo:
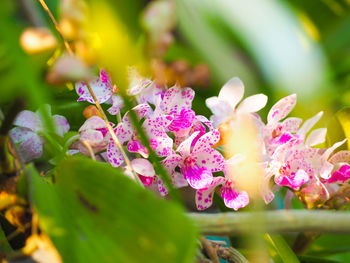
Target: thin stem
(104, 117)
(88, 147)
(279, 221)
(66, 44)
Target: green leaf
(309, 259)
(339, 128)
(94, 213)
(281, 248)
(4, 245)
(329, 245)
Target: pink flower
(233, 198)
(224, 106)
(27, 134)
(197, 164)
(94, 131)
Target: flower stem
(279, 221)
(104, 117)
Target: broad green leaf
(309, 259)
(339, 128)
(94, 213)
(327, 245)
(281, 248)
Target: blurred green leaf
(4, 245)
(95, 213)
(281, 248)
(329, 245)
(309, 259)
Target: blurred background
(276, 47)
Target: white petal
(143, 167)
(316, 137)
(309, 123)
(252, 104)
(232, 92)
(219, 107)
(282, 108)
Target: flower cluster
(190, 146)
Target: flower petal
(204, 197)
(316, 137)
(221, 109)
(207, 141)
(30, 145)
(309, 123)
(178, 180)
(291, 124)
(93, 137)
(171, 162)
(282, 108)
(211, 159)
(114, 155)
(197, 177)
(252, 104)
(102, 91)
(294, 182)
(176, 98)
(340, 157)
(117, 104)
(234, 199)
(143, 167)
(62, 125)
(232, 92)
(28, 119)
(93, 123)
(185, 147)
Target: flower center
(189, 161)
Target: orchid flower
(232, 197)
(197, 163)
(94, 131)
(27, 133)
(224, 106)
(145, 171)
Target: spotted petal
(207, 140)
(204, 197)
(101, 89)
(282, 108)
(176, 98)
(234, 199)
(114, 155)
(211, 159)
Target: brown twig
(229, 254)
(89, 148)
(210, 250)
(66, 44)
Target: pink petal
(232, 92)
(233, 199)
(124, 132)
(161, 187)
(207, 141)
(171, 162)
(93, 123)
(185, 147)
(114, 155)
(102, 91)
(331, 149)
(28, 119)
(252, 104)
(62, 125)
(93, 137)
(197, 177)
(143, 167)
(204, 197)
(294, 182)
(135, 146)
(291, 124)
(117, 104)
(177, 98)
(178, 180)
(282, 108)
(211, 159)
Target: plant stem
(303, 241)
(279, 221)
(104, 117)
